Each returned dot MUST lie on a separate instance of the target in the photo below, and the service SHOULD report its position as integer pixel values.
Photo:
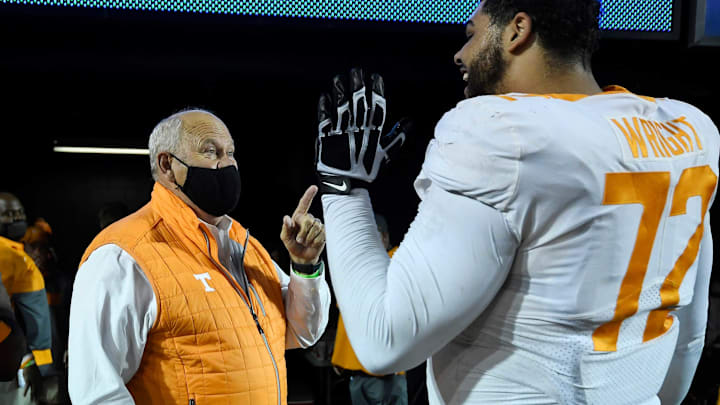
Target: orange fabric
(40, 231)
(614, 89)
(19, 272)
(204, 344)
(42, 357)
(343, 353)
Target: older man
(177, 303)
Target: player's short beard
(488, 68)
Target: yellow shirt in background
(19, 272)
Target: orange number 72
(651, 189)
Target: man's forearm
(307, 306)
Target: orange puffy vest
(206, 346)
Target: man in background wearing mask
(177, 303)
(26, 289)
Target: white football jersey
(608, 198)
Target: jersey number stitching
(650, 189)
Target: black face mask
(13, 230)
(215, 191)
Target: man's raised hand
(303, 234)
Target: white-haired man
(177, 303)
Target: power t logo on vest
(204, 277)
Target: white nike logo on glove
(341, 188)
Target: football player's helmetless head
(509, 50)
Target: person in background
(38, 244)
(367, 388)
(26, 289)
(58, 285)
(177, 303)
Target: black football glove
(350, 148)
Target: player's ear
(519, 33)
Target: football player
(561, 253)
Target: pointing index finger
(305, 201)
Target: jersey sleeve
(476, 153)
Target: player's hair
(168, 136)
(567, 29)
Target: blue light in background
(633, 15)
(637, 15)
(712, 22)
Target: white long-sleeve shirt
(113, 308)
(552, 236)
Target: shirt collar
(223, 225)
(613, 89)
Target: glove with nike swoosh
(350, 148)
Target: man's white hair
(168, 136)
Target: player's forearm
(358, 267)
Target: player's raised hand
(303, 234)
(350, 144)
